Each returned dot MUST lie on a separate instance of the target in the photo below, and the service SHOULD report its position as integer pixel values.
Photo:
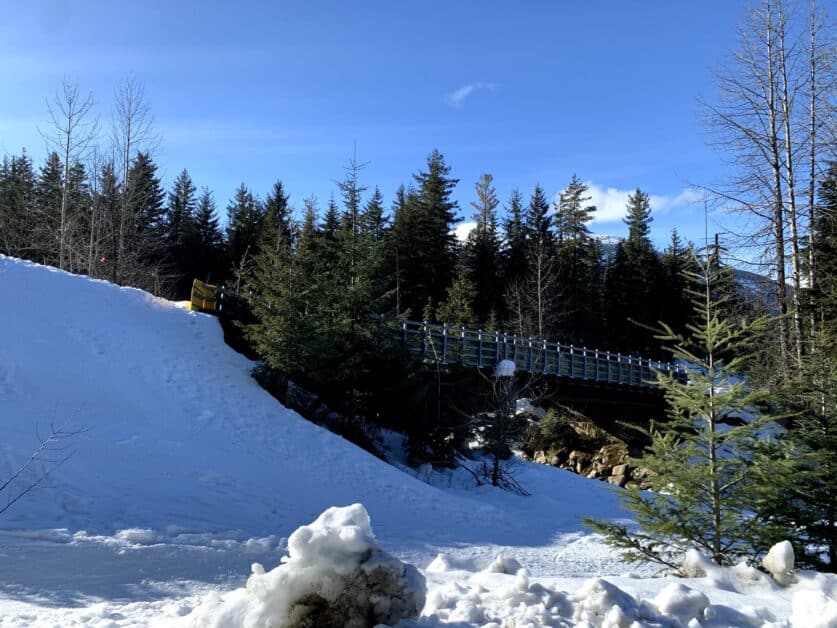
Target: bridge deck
(445, 344)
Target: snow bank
(813, 609)
(334, 575)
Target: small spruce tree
(707, 477)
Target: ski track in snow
(187, 471)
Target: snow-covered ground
(186, 473)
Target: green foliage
(423, 244)
(482, 251)
(805, 508)
(635, 285)
(824, 292)
(577, 266)
(710, 482)
(513, 254)
(17, 194)
(244, 224)
(457, 309)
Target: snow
(334, 566)
(187, 473)
(505, 368)
(779, 560)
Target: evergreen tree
(482, 250)
(423, 237)
(710, 487)
(180, 213)
(824, 294)
(539, 223)
(572, 213)
(577, 265)
(108, 206)
(285, 332)
(77, 219)
(675, 304)
(244, 224)
(145, 198)
(17, 197)
(634, 285)
(457, 309)
(372, 220)
(513, 255)
(805, 510)
(209, 240)
(276, 229)
(47, 214)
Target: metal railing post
(571, 361)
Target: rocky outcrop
(580, 446)
(609, 463)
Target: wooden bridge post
(424, 340)
(496, 347)
(404, 332)
(545, 358)
(596, 357)
(619, 368)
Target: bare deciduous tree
(770, 134)
(73, 131)
(52, 452)
(132, 131)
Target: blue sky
(528, 91)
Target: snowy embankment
(186, 472)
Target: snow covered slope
(178, 436)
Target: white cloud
(463, 229)
(611, 202)
(456, 98)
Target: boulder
(618, 480)
(620, 469)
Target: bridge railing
(445, 344)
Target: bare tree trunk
(72, 136)
(778, 198)
(132, 131)
(786, 98)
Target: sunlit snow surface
(187, 473)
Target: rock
(554, 460)
(779, 562)
(620, 469)
(591, 474)
(613, 454)
(540, 457)
(618, 480)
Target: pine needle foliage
(709, 480)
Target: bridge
(446, 344)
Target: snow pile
(597, 603)
(334, 575)
(505, 368)
(813, 609)
(779, 562)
